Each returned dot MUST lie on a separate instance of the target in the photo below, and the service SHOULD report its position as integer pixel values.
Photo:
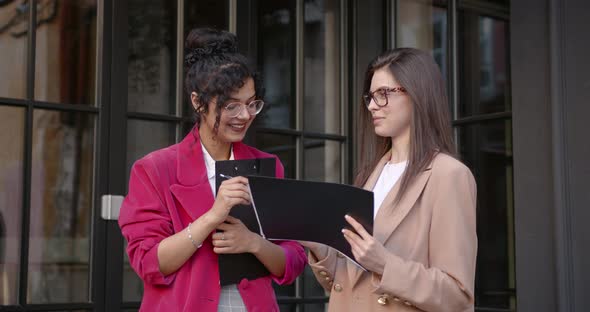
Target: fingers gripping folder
(285, 209)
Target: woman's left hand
(367, 251)
(235, 238)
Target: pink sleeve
(145, 222)
(295, 261)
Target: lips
(377, 119)
(238, 127)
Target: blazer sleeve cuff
(150, 268)
(295, 261)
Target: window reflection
(322, 66)
(322, 160)
(276, 53)
(486, 149)
(61, 198)
(483, 58)
(12, 120)
(423, 25)
(13, 49)
(65, 52)
(152, 57)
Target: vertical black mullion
(117, 150)
(453, 79)
(352, 94)
(26, 202)
(99, 234)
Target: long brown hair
(430, 124)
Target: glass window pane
(276, 59)
(12, 138)
(322, 160)
(483, 65)
(202, 13)
(65, 53)
(487, 149)
(151, 69)
(283, 146)
(322, 66)
(13, 48)
(61, 201)
(143, 137)
(423, 25)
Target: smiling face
(230, 129)
(392, 120)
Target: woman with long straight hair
(421, 256)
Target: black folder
(310, 211)
(234, 267)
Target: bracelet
(190, 236)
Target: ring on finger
(222, 236)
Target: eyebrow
(385, 87)
(234, 99)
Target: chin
(382, 132)
(232, 137)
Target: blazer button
(408, 303)
(337, 287)
(323, 273)
(383, 299)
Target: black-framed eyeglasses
(381, 96)
(234, 109)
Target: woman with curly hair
(171, 215)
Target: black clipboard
(235, 267)
(310, 211)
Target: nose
(244, 114)
(372, 105)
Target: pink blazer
(168, 189)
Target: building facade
(87, 87)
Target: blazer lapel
(193, 190)
(390, 215)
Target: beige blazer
(432, 242)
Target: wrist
(211, 219)
(256, 243)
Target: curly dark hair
(215, 69)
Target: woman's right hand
(231, 192)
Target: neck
(400, 148)
(217, 149)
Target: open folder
(309, 211)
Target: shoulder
(448, 167)
(157, 160)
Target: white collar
(210, 162)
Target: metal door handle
(111, 206)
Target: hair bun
(204, 43)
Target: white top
(389, 176)
(229, 297)
(210, 164)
